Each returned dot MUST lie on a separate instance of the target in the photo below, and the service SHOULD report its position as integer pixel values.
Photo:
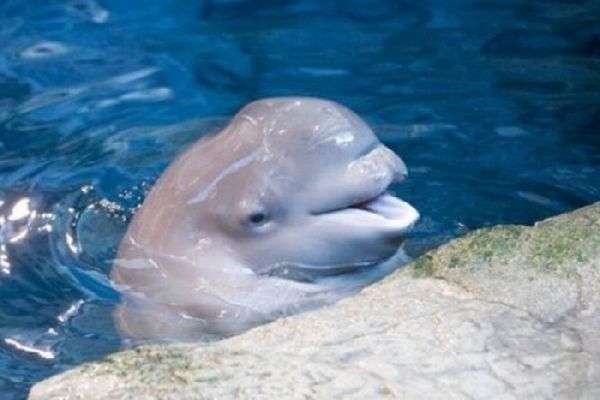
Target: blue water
(494, 105)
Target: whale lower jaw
(383, 212)
(396, 212)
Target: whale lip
(382, 210)
(396, 212)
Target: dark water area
(494, 105)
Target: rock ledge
(505, 313)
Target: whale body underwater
(284, 210)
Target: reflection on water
(493, 105)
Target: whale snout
(396, 165)
(365, 202)
(380, 164)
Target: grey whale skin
(282, 211)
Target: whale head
(293, 189)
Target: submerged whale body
(284, 210)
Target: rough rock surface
(503, 313)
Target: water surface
(494, 106)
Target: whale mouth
(394, 212)
(391, 208)
(383, 210)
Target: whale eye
(258, 218)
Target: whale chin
(383, 219)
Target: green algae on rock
(556, 245)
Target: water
(494, 105)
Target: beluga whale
(285, 210)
